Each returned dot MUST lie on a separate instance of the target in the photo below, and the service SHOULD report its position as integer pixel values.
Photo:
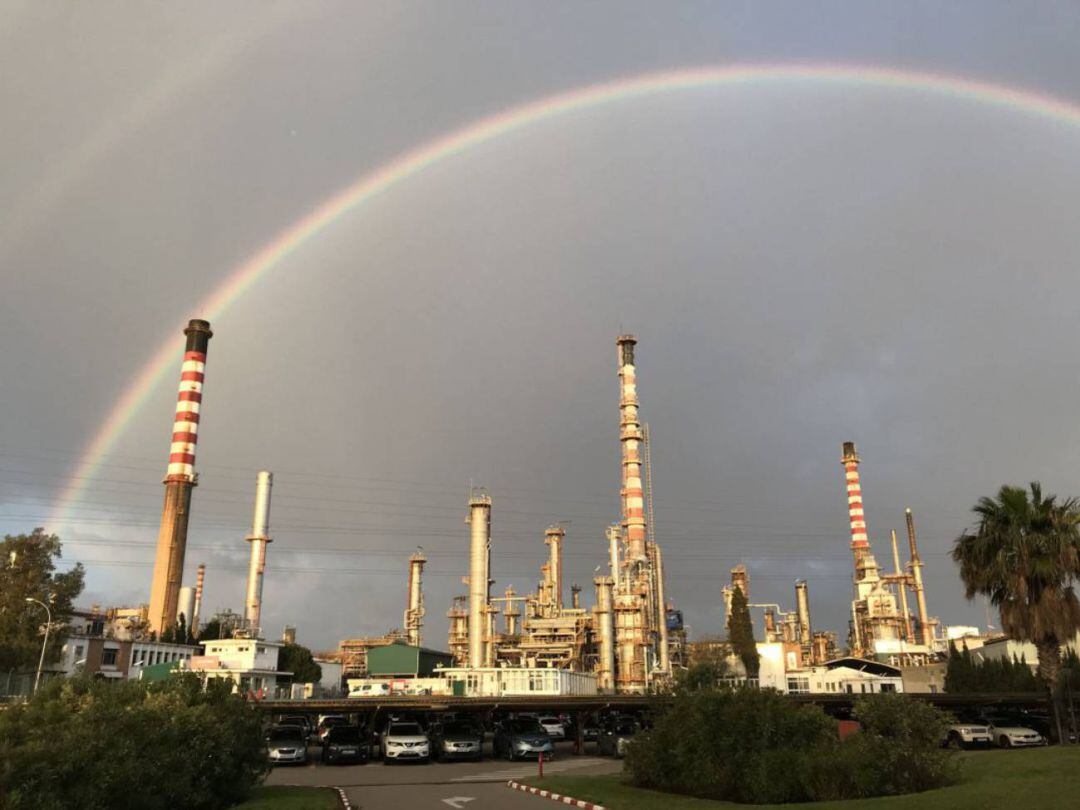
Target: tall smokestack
(802, 607)
(575, 596)
(920, 593)
(179, 481)
(480, 541)
(554, 539)
(605, 676)
(200, 577)
(903, 589)
(860, 543)
(259, 538)
(633, 495)
(414, 613)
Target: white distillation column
(259, 538)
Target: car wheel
(510, 753)
(954, 742)
(1004, 742)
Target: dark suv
(522, 737)
(346, 744)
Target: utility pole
(45, 643)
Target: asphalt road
(438, 786)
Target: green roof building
(403, 661)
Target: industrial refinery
(630, 641)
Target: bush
(754, 746)
(738, 745)
(91, 743)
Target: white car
(405, 741)
(554, 727)
(968, 735)
(1008, 735)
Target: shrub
(97, 744)
(758, 747)
(736, 744)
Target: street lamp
(45, 643)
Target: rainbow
(369, 186)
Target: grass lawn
(291, 798)
(1044, 778)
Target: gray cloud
(803, 265)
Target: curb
(345, 804)
(557, 797)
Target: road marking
(530, 769)
(457, 801)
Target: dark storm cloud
(802, 265)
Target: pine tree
(741, 634)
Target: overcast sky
(803, 265)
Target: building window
(889, 687)
(108, 657)
(79, 650)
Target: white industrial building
(853, 676)
(252, 664)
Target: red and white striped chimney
(633, 494)
(860, 543)
(179, 481)
(188, 402)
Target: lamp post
(45, 643)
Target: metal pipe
(414, 613)
(480, 524)
(575, 596)
(903, 589)
(665, 656)
(860, 543)
(613, 550)
(605, 677)
(630, 433)
(802, 607)
(259, 539)
(45, 641)
(200, 576)
(554, 539)
(920, 594)
(179, 480)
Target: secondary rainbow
(371, 185)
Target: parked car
(457, 739)
(328, 722)
(615, 738)
(287, 745)
(301, 720)
(522, 737)
(404, 741)
(344, 743)
(968, 735)
(1006, 734)
(553, 726)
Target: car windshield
(458, 728)
(344, 734)
(404, 729)
(285, 733)
(334, 721)
(525, 726)
(549, 721)
(625, 728)
(295, 720)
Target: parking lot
(475, 785)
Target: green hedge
(756, 746)
(91, 743)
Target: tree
(1024, 555)
(741, 634)
(297, 659)
(130, 745)
(28, 570)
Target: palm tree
(1024, 555)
